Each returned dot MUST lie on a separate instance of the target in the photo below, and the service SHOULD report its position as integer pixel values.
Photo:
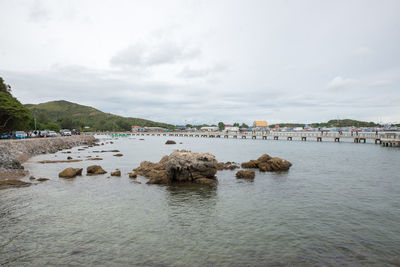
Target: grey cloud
(141, 55)
(189, 72)
(339, 83)
(38, 12)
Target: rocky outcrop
(170, 142)
(70, 173)
(132, 175)
(116, 173)
(180, 166)
(95, 170)
(266, 163)
(227, 166)
(245, 174)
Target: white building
(209, 129)
(231, 129)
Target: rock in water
(70, 172)
(116, 173)
(266, 163)
(42, 179)
(189, 166)
(278, 164)
(170, 142)
(13, 183)
(118, 155)
(132, 175)
(94, 170)
(245, 174)
(227, 166)
(252, 164)
(180, 166)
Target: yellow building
(260, 124)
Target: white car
(65, 132)
(52, 134)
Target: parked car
(44, 133)
(65, 132)
(33, 133)
(5, 135)
(76, 132)
(52, 134)
(20, 135)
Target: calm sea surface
(339, 204)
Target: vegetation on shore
(13, 115)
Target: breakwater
(15, 152)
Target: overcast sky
(207, 61)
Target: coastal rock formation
(245, 174)
(227, 166)
(180, 166)
(116, 173)
(95, 170)
(170, 142)
(70, 172)
(266, 163)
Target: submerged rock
(42, 179)
(170, 142)
(245, 174)
(13, 183)
(118, 155)
(95, 170)
(70, 172)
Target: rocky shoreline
(15, 152)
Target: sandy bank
(13, 153)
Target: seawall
(13, 153)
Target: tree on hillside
(236, 124)
(13, 115)
(244, 125)
(221, 126)
(4, 87)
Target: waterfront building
(209, 129)
(260, 126)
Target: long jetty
(383, 138)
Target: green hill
(69, 115)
